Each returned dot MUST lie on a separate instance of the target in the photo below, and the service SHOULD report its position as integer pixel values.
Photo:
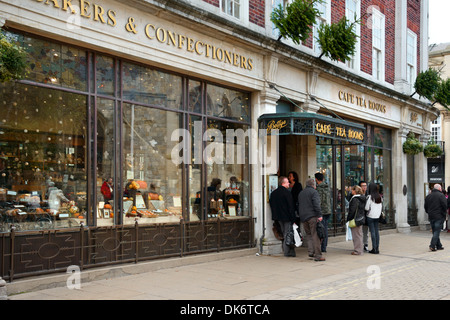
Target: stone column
(399, 181)
(3, 295)
(422, 178)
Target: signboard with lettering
(297, 123)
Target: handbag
(289, 240)
(382, 218)
(320, 230)
(277, 231)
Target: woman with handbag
(374, 206)
(356, 211)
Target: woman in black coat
(356, 207)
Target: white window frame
(411, 58)
(243, 10)
(436, 129)
(355, 61)
(378, 45)
(324, 17)
(275, 4)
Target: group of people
(290, 204)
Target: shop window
(105, 162)
(228, 103)
(151, 87)
(104, 75)
(52, 63)
(226, 159)
(152, 183)
(43, 180)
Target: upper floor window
(352, 13)
(378, 44)
(436, 129)
(232, 8)
(324, 17)
(411, 58)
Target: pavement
(405, 269)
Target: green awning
(312, 124)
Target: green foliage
(12, 60)
(442, 94)
(412, 145)
(427, 83)
(338, 40)
(432, 150)
(296, 21)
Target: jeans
(436, 226)
(324, 243)
(374, 233)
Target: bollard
(3, 295)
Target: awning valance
(312, 124)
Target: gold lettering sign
(361, 102)
(272, 125)
(341, 131)
(99, 14)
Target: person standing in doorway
(365, 227)
(296, 187)
(325, 205)
(436, 208)
(282, 207)
(374, 206)
(311, 214)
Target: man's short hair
(310, 182)
(280, 180)
(319, 176)
(437, 186)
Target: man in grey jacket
(310, 215)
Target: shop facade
(170, 108)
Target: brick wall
(414, 24)
(256, 13)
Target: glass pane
(195, 96)
(324, 156)
(104, 75)
(152, 182)
(382, 138)
(228, 103)
(151, 87)
(105, 162)
(354, 165)
(52, 63)
(382, 175)
(227, 170)
(43, 158)
(195, 170)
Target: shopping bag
(348, 233)
(297, 237)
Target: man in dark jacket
(311, 214)
(436, 207)
(282, 206)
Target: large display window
(95, 148)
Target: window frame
(378, 51)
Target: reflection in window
(152, 183)
(226, 157)
(228, 103)
(52, 63)
(151, 86)
(105, 162)
(42, 158)
(104, 75)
